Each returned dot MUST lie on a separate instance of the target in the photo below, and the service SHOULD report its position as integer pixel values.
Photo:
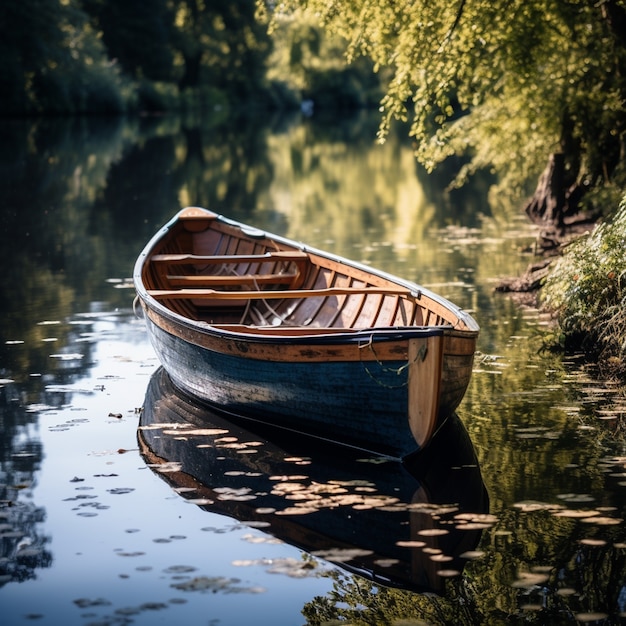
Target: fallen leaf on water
(411, 544)
(602, 521)
(296, 510)
(472, 554)
(575, 513)
(590, 617)
(593, 542)
(529, 579)
(433, 532)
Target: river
(515, 517)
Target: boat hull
(357, 403)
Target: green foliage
(113, 56)
(221, 45)
(136, 34)
(311, 63)
(587, 291)
(53, 61)
(507, 81)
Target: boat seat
(286, 277)
(203, 280)
(295, 256)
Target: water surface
(93, 531)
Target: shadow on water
(401, 526)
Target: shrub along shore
(585, 289)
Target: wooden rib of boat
(383, 521)
(269, 328)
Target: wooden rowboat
(273, 330)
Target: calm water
(98, 526)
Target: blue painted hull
(359, 404)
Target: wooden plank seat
(295, 256)
(278, 278)
(213, 294)
(202, 280)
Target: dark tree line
(75, 56)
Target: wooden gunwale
(363, 346)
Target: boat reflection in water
(401, 525)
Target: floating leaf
(593, 542)
(286, 478)
(575, 513)
(201, 501)
(386, 562)
(256, 539)
(209, 432)
(530, 506)
(602, 521)
(485, 518)
(433, 532)
(590, 617)
(472, 554)
(167, 468)
(297, 510)
(529, 579)
(255, 524)
(411, 544)
(566, 591)
(473, 526)
(576, 497)
(341, 554)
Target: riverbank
(581, 281)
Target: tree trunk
(546, 205)
(555, 204)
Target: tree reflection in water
(23, 549)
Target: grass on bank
(586, 290)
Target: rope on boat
(137, 315)
(420, 356)
(261, 321)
